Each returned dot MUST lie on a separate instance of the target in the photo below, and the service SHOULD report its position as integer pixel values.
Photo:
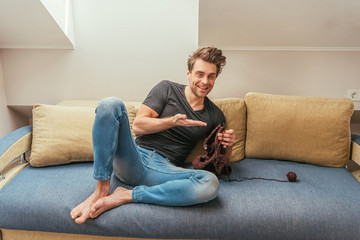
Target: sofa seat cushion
(322, 204)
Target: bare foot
(119, 197)
(82, 212)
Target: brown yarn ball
(291, 176)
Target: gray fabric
(323, 204)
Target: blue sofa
(322, 204)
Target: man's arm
(147, 121)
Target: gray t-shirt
(168, 99)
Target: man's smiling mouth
(203, 88)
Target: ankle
(124, 194)
(102, 188)
(129, 196)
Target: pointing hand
(181, 120)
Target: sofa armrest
(14, 144)
(355, 148)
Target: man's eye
(199, 74)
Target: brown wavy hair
(208, 54)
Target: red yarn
(291, 176)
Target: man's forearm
(148, 125)
(147, 121)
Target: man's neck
(195, 102)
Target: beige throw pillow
(63, 134)
(305, 129)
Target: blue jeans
(156, 179)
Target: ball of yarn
(291, 176)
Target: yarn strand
(291, 176)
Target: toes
(74, 214)
(77, 211)
(80, 220)
(82, 216)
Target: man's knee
(209, 186)
(110, 105)
(213, 186)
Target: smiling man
(168, 124)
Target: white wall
(10, 119)
(5, 120)
(318, 73)
(123, 48)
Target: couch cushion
(62, 134)
(323, 204)
(305, 129)
(234, 110)
(131, 107)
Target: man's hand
(181, 120)
(227, 138)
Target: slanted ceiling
(29, 24)
(280, 24)
(230, 24)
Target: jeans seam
(151, 155)
(111, 159)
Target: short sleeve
(158, 97)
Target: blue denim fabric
(157, 180)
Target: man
(170, 121)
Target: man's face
(202, 78)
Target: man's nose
(205, 80)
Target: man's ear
(188, 74)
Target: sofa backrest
(306, 129)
